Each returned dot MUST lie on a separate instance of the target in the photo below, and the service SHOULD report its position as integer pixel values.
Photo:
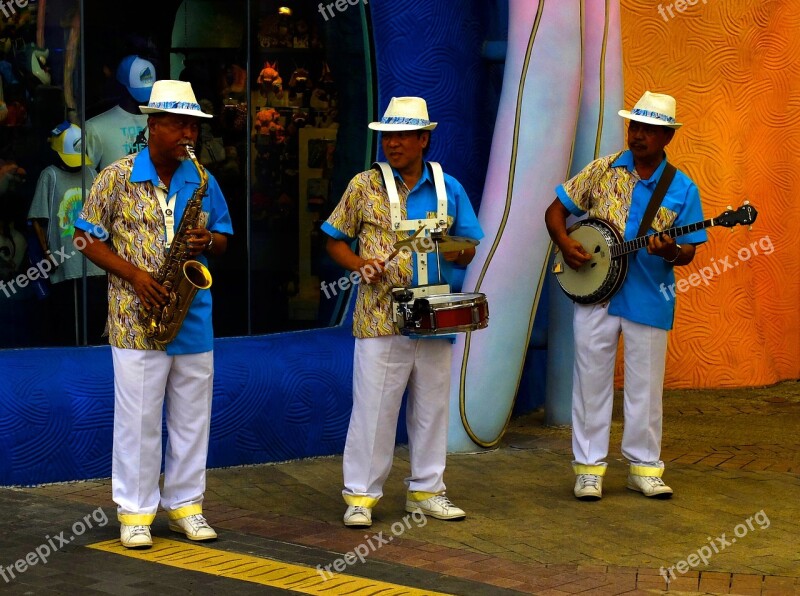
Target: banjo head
(596, 279)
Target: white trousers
(144, 381)
(645, 348)
(382, 368)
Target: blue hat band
(401, 120)
(656, 115)
(174, 105)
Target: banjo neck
(629, 246)
(601, 277)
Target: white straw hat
(405, 113)
(175, 97)
(653, 108)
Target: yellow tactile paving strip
(258, 570)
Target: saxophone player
(130, 226)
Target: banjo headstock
(743, 216)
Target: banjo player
(618, 188)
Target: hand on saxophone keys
(151, 293)
(200, 240)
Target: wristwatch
(210, 242)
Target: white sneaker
(649, 486)
(588, 487)
(195, 527)
(438, 507)
(357, 516)
(135, 536)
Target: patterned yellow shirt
(132, 215)
(605, 192)
(363, 213)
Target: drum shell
(448, 313)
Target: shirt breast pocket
(664, 219)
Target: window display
(39, 79)
(274, 146)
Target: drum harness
(405, 296)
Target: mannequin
(56, 203)
(120, 131)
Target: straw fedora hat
(405, 113)
(653, 108)
(174, 97)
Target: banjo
(599, 278)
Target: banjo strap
(655, 200)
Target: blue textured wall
(433, 49)
(276, 397)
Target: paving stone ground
(732, 456)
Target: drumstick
(396, 251)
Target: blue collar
(426, 175)
(626, 160)
(143, 171)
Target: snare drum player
(618, 188)
(386, 362)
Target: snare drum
(442, 314)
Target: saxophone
(180, 275)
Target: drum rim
(447, 330)
(478, 298)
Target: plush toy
(314, 38)
(264, 118)
(298, 85)
(327, 119)
(268, 128)
(32, 62)
(284, 31)
(235, 81)
(299, 119)
(299, 81)
(268, 31)
(268, 78)
(276, 95)
(231, 166)
(323, 96)
(320, 100)
(300, 39)
(277, 133)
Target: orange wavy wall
(734, 69)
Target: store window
(44, 172)
(290, 90)
(309, 102)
